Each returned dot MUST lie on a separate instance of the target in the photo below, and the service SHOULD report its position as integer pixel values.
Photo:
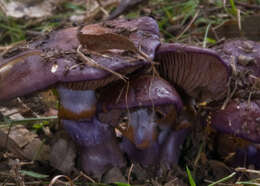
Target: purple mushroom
(241, 119)
(247, 156)
(200, 72)
(163, 154)
(53, 61)
(150, 101)
(238, 152)
(152, 105)
(244, 57)
(241, 116)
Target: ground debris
(24, 143)
(29, 8)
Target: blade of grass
(25, 120)
(33, 174)
(206, 36)
(191, 180)
(189, 25)
(233, 7)
(223, 179)
(121, 184)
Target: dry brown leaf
(24, 143)
(99, 39)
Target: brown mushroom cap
(200, 72)
(239, 119)
(54, 59)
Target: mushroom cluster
(240, 115)
(105, 78)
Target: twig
(87, 177)
(242, 169)
(248, 6)
(229, 96)
(226, 184)
(250, 183)
(239, 19)
(234, 74)
(249, 98)
(189, 25)
(2, 6)
(56, 178)
(8, 47)
(102, 8)
(129, 173)
(28, 108)
(93, 63)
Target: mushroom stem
(76, 104)
(97, 146)
(96, 141)
(142, 129)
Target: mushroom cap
(239, 119)
(141, 32)
(144, 91)
(200, 72)
(54, 59)
(245, 52)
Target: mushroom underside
(201, 73)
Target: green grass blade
(33, 174)
(121, 184)
(191, 180)
(223, 179)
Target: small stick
(229, 96)
(102, 8)
(87, 177)
(239, 19)
(129, 173)
(5, 49)
(248, 5)
(93, 63)
(28, 108)
(242, 169)
(56, 178)
(189, 25)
